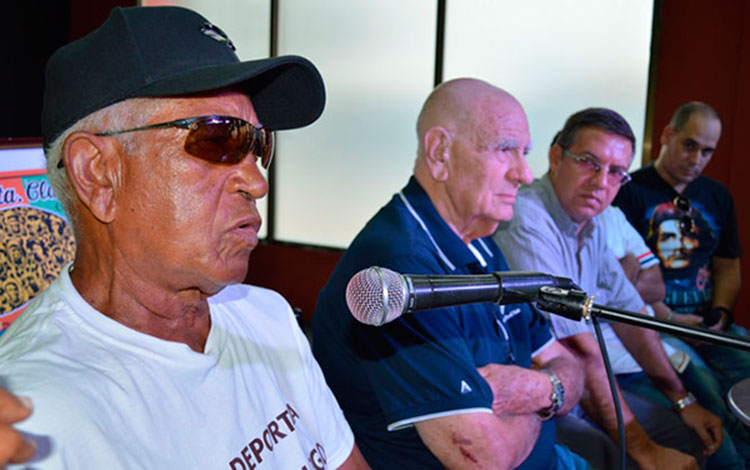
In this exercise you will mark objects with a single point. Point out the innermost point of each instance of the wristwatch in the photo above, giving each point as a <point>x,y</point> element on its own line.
<point>684,402</point>
<point>557,398</point>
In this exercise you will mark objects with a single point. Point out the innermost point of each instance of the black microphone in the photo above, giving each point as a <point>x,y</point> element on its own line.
<point>378,295</point>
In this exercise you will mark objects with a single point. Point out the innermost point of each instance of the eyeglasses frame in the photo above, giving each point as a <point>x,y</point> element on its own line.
<point>596,166</point>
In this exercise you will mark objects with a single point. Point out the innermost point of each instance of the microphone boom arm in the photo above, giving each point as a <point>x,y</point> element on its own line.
<point>574,304</point>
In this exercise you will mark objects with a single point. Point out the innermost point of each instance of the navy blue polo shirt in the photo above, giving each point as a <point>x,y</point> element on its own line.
<point>422,365</point>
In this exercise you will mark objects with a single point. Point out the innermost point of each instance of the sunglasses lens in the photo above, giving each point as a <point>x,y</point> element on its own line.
<point>264,144</point>
<point>228,140</point>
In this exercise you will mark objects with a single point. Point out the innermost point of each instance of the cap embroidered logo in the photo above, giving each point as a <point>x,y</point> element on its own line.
<point>216,33</point>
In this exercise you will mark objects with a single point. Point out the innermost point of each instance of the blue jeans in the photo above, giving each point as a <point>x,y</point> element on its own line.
<point>729,365</point>
<point>699,382</point>
<point>717,369</point>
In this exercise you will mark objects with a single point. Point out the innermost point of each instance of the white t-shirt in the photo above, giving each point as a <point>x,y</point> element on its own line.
<point>623,238</point>
<point>109,397</point>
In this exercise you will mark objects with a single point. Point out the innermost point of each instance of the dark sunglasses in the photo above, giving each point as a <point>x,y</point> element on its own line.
<point>217,139</point>
<point>686,221</point>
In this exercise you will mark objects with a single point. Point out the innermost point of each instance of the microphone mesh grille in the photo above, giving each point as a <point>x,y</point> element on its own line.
<point>376,295</point>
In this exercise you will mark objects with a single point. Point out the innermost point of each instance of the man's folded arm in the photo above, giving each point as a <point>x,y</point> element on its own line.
<point>727,280</point>
<point>480,440</point>
<point>566,368</point>
<point>505,438</point>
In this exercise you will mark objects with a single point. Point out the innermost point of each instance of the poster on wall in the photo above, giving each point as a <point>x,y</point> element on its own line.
<point>35,237</point>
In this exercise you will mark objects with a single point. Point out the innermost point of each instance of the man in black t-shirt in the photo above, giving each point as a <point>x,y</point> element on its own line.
<point>689,221</point>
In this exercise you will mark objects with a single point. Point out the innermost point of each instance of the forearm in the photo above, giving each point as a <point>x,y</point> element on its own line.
<point>650,285</point>
<point>597,400</point>
<point>727,280</point>
<point>517,390</point>
<point>645,346</point>
<point>661,310</point>
<point>481,440</point>
<point>639,445</point>
<point>568,371</point>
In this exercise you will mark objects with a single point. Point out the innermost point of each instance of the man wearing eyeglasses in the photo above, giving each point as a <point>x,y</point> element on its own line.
<point>555,230</point>
<point>146,352</point>
<point>689,221</point>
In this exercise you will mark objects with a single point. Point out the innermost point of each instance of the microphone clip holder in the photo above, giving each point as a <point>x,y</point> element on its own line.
<point>573,304</point>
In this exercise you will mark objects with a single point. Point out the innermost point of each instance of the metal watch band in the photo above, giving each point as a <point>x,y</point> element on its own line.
<point>684,402</point>
<point>557,398</point>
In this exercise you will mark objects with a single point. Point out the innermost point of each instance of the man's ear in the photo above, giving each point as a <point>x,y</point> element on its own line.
<point>555,159</point>
<point>666,134</point>
<point>93,166</point>
<point>437,144</point>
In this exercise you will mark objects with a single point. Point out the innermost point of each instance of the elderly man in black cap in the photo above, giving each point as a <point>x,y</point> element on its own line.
<point>145,352</point>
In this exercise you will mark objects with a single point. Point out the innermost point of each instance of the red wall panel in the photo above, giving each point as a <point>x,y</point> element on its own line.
<point>297,272</point>
<point>704,54</point>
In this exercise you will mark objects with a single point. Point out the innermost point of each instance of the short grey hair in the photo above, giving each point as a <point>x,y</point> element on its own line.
<point>118,116</point>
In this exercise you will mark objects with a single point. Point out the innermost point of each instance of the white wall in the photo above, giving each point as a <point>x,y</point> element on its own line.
<point>377,58</point>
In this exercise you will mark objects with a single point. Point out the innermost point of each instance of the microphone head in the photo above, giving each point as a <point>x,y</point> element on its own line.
<point>376,295</point>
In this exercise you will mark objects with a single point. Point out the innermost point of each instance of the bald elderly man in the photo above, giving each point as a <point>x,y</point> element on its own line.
<point>471,386</point>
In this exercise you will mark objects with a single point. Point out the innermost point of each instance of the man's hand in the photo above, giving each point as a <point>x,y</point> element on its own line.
<point>13,447</point>
<point>666,458</point>
<point>684,318</point>
<point>687,319</point>
<point>706,424</point>
<point>690,320</point>
<point>517,390</point>
<point>661,310</point>
<point>650,455</point>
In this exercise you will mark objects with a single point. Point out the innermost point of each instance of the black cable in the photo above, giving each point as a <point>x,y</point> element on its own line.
<point>613,389</point>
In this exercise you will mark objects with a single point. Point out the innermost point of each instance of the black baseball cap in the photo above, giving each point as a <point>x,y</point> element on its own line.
<point>170,51</point>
